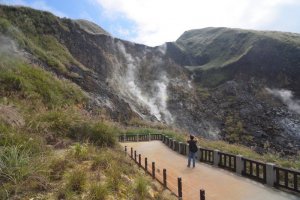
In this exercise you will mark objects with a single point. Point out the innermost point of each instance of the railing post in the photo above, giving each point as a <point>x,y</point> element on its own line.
<point>199,153</point>
<point>179,188</point>
<point>149,137</point>
<point>137,137</point>
<point>146,164</point>
<point>239,164</point>
<point>179,147</point>
<point>131,152</point>
<point>125,150</point>
<point>174,145</point>
<point>270,174</point>
<point>140,160</point>
<point>165,177</point>
<point>216,157</point>
<point>187,150</point>
<point>135,155</point>
<point>153,169</point>
<point>202,194</point>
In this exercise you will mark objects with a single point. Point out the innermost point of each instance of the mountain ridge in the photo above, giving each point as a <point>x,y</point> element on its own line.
<point>128,80</point>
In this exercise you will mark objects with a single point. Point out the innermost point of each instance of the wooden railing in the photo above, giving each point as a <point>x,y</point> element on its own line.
<point>155,136</point>
<point>227,161</point>
<point>287,178</point>
<point>254,169</point>
<point>139,137</point>
<point>206,155</point>
<point>143,137</point>
<point>154,170</point>
<point>278,177</point>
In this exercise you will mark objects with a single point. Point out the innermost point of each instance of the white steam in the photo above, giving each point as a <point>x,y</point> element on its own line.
<point>153,100</point>
<point>286,96</point>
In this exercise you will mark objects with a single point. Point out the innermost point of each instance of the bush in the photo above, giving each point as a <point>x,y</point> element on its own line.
<point>57,168</point>
<point>98,192</point>
<point>76,181</point>
<point>101,161</point>
<point>79,151</point>
<point>141,187</point>
<point>99,133</point>
<point>114,177</point>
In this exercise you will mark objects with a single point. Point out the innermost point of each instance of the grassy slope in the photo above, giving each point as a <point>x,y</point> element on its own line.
<point>224,46</point>
<point>40,158</point>
<point>38,33</point>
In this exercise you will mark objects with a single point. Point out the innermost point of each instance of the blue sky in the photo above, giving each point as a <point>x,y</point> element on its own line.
<point>80,9</point>
<point>153,22</point>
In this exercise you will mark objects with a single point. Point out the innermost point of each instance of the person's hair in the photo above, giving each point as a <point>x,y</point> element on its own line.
<point>191,137</point>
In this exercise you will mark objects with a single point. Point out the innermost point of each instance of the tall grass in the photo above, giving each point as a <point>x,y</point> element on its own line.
<point>76,181</point>
<point>14,164</point>
<point>98,192</point>
<point>141,187</point>
<point>79,151</point>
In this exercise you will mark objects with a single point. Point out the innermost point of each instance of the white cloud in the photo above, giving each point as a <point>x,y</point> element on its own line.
<point>159,21</point>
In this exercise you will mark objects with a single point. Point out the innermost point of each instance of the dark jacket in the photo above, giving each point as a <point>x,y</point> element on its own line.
<point>193,145</point>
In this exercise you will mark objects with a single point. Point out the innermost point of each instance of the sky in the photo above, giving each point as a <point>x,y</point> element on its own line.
<point>153,22</point>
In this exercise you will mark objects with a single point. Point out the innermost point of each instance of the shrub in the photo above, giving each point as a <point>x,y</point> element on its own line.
<point>103,134</point>
<point>98,192</point>
<point>79,151</point>
<point>99,133</point>
<point>114,177</point>
<point>141,187</point>
<point>76,181</point>
<point>57,168</point>
<point>101,161</point>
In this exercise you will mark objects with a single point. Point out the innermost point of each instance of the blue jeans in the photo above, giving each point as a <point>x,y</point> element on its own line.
<point>191,156</point>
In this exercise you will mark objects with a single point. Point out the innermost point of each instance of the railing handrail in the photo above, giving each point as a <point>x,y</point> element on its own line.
<point>287,169</point>
<point>255,161</point>
<point>229,154</point>
<point>205,149</point>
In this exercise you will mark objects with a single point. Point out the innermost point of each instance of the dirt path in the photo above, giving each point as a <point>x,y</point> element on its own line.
<point>218,184</point>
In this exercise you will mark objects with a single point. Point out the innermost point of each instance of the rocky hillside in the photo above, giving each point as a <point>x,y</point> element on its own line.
<point>216,82</point>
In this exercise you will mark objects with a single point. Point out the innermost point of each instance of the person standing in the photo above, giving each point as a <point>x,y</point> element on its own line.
<point>192,150</point>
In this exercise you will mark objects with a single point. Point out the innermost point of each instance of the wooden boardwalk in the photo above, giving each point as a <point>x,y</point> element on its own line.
<point>218,184</point>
